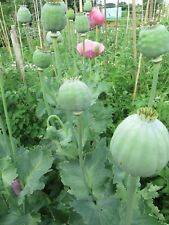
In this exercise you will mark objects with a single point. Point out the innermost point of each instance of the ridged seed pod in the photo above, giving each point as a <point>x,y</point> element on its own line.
<point>140,144</point>
<point>53,17</point>
<point>82,24</point>
<point>153,41</point>
<point>24,15</point>
<point>42,58</point>
<point>74,96</point>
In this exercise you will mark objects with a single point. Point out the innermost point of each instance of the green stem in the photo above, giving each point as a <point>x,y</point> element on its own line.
<point>131,192</point>
<point>156,69</point>
<point>12,149</point>
<point>83,37</point>
<point>43,91</point>
<point>72,39</point>
<point>80,152</point>
<point>57,56</point>
<point>97,33</point>
<point>28,37</point>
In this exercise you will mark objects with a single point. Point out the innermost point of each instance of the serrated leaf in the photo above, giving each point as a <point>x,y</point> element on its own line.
<point>32,165</point>
<point>94,163</point>
<point>7,171</point>
<point>146,220</point>
<point>71,176</point>
<point>103,212</point>
<point>16,218</point>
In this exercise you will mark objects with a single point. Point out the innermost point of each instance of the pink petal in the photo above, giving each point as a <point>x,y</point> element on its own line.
<point>92,49</point>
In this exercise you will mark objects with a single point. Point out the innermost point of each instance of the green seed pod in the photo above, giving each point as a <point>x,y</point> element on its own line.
<point>70,14</point>
<point>51,132</point>
<point>82,24</point>
<point>87,6</point>
<point>154,41</point>
<point>24,15</point>
<point>62,3</point>
<point>49,39</point>
<point>140,144</point>
<point>74,96</point>
<point>53,17</point>
<point>42,58</point>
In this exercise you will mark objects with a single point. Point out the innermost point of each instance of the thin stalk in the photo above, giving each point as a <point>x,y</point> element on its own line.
<point>28,38</point>
<point>134,30</point>
<point>12,149</point>
<point>40,71</point>
<point>38,21</point>
<point>156,69</point>
<point>72,39</point>
<point>57,57</point>
<point>116,30</point>
<point>80,151</point>
<point>137,76</point>
<point>6,31</point>
<point>131,192</point>
<point>97,33</point>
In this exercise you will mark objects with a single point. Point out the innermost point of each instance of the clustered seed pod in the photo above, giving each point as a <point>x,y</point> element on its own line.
<point>53,17</point>
<point>87,6</point>
<point>82,23</point>
<point>140,144</point>
<point>74,96</point>
<point>70,14</point>
<point>24,15</point>
<point>42,58</point>
<point>153,41</point>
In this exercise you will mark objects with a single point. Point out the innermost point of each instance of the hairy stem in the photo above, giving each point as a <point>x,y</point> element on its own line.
<point>131,191</point>
<point>43,91</point>
<point>80,152</point>
<point>156,69</point>
<point>57,57</point>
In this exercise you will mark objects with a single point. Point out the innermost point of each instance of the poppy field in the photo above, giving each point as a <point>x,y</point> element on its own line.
<point>84,113</point>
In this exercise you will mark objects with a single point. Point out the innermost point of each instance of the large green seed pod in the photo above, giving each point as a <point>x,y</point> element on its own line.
<point>42,58</point>
<point>82,24</point>
<point>87,6</point>
<point>154,41</point>
<point>24,15</point>
<point>53,17</point>
<point>70,14</point>
<point>63,5</point>
<point>140,144</point>
<point>74,96</point>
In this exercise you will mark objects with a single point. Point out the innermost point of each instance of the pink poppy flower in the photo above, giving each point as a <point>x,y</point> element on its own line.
<point>92,48</point>
<point>96,17</point>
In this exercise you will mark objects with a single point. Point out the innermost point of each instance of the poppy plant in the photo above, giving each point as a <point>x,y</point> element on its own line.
<point>91,49</point>
<point>96,18</point>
